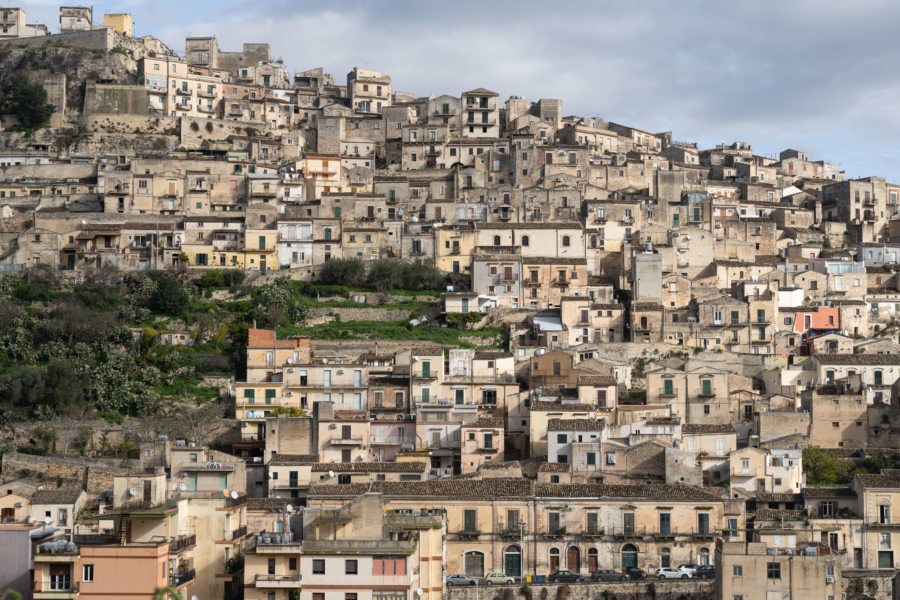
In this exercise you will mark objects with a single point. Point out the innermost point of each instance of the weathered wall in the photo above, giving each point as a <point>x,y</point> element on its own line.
<point>115,99</point>
<point>658,590</point>
<point>94,475</point>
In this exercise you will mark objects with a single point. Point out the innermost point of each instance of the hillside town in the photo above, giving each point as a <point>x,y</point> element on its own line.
<point>649,369</point>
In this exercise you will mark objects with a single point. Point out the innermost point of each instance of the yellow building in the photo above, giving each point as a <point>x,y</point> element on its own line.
<point>121,22</point>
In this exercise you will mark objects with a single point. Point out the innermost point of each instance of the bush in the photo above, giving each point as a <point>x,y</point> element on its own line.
<point>169,296</point>
<point>343,271</point>
<point>27,102</point>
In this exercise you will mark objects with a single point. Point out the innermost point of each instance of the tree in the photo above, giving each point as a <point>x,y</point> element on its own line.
<point>169,296</point>
<point>824,468</point>
<point>343,271</point>
<point>167,593</point>
<point>27,102</point>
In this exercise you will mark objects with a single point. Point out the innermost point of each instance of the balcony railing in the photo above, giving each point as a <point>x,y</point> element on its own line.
<point>182,543</point>
<point>239,532</point>
<point>351,441</point>
<point>277,581</point>
<point>182,577</point>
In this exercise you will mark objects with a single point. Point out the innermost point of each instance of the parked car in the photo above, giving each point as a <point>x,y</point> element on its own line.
<point>567,576</point>
<point>670,573</point>
<point>460,580</point>
<point>608,575</point>
<point>498,578</point>
<point>705,572</point>
<point>635,573</point>
<point>689,569</point>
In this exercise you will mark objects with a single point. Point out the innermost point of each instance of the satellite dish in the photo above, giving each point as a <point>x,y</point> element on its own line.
<point>183,487</point>
<point>132,492</point>
<point>289,508</point>
<point>195,597</point>
<point>48,520</point>
<point>419,592</point>
<point>174,487</point>
<point>331,473</point>
<point>234,495</point>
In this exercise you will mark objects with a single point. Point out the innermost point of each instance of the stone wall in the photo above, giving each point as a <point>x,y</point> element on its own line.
<point>115,99</point>
<point>658,590</point>
<point>362,314</point>
<point>859,584</point>
<point>94,475</point>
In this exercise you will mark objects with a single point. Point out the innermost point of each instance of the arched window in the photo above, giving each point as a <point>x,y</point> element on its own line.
<point>513,561</point>
<point>704,556</point>
<point>525,240</point>
<point>496,240</point>
<point>565,240</point>
<point>593,562</point>
<point>629,556</point>
<point>554,560</point>
<point>665,558</point>
<point>573,559</point>
<point>474,563</point>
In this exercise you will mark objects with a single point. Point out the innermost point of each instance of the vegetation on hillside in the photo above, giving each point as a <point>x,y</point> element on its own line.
<point>27,102</point>
<point>827,468</point>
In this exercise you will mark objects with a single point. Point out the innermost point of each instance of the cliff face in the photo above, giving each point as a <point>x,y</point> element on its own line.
<point>76,64</point>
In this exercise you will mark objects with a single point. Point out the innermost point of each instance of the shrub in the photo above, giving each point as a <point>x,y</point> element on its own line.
<point>343,271</point>
<point>27,102</point>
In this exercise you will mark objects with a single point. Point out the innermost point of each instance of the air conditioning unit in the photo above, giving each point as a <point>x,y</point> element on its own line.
<point>332,426</point>
<point>829,580</point>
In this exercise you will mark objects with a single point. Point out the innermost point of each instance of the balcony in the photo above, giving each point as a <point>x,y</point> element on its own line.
<point>209,466</point>
<point>561,282</point>
<point>766,339</point>
<point>351,441</point>
<point>182,578</point>
<point>235,112</point>
<point>206,109</point>
<point>207,94</point>
<point>532,283</point>
<point>187,106</point>
<point>665,394</point>
<point>181,92</point>
<point>887,526</point>
<point>454,250</point>
<point>238,533</point>
<point>870,202</point>
<point>277,581</point>
<point>60,589</point>
<point>707,394</point>
<point>469,534</point>
<point>389,440</point>
<point>507,280</point>
<point>181,543</point>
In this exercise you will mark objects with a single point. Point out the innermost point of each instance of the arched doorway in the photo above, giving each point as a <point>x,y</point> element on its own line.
<point>573,559</point>
<point>554,560</point>
<point>593,562</point>
<point>629,556</point>
<point>665,558</point>
<point>474,563</point>
<point>704,556</point>
<point>512,562</point>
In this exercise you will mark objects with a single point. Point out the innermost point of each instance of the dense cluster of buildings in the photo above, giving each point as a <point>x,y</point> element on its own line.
<point>681,323</point>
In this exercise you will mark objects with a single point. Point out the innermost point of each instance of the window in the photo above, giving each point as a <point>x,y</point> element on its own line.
<point>702,523</point>
<point>665,523</point>
<point>773,570</point>
<point>318,566</point>
<point>87,573</point>
<point>553,522</point>
<point>884,513</point>
<point>561,438</point>
<point>610,458</point>
<point>525,240</point>
<point>469,518</point>
<point>351,567</point>
<point>565,241</point>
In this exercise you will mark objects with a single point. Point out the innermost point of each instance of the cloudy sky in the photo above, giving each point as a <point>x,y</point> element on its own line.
<point>816,75</point>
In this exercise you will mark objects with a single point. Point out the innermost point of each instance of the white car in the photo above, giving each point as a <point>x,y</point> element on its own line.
<point>690,569</point>
<point>670,573</point>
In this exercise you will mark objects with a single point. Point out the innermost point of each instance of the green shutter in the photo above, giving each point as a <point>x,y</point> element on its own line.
<point>470,522</point>
<point>262,242</point>
<point>707,387</point>
<point>668,387</point>
<point>250,394</point>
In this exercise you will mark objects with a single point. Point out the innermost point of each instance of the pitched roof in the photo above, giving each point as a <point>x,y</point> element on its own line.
<point>554,468</point>
<point>575,425</point>
<point>649,491</point>
<point>266,503</point>
<point>448,488</point>
<point>875,481</point>
<point>294,459</point>
<point>372,467</point>
<point>61,496</point>
<point>828,492</point>
<point>546,406</point>
<point>706,428</point>
<point>858,359</point>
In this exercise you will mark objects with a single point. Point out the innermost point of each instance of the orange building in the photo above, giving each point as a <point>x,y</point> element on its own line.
<point>822,318</point>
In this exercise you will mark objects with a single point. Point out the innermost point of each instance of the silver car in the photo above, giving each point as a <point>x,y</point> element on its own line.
<point>460,580</point>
